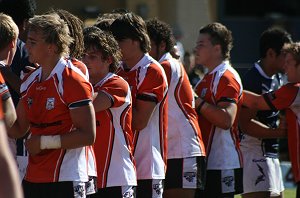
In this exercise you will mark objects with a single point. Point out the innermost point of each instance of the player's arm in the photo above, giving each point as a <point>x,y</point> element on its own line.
<point>102,101</point>
<point>221,115</point>
<point>141,114</point>
<point>21,125</point>
<point>257,129</point>
<point>83,119</point>
<point>84,133</point>
<point>9,111</point>
<point>254,101</point>
<point>9,177</point>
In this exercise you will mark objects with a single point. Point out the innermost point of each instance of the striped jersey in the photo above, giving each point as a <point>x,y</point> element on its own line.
<point>223,84</point>
<point>113,145</point>
<point>147,81</point>
<point>47,104</point>
<point>184,135</point>
<point>288,98</point>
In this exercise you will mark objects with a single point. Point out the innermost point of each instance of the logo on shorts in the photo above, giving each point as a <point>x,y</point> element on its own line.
<point>228,181</point>
<point>158,188</point>
<point>50,103</point>
<point>189,176</point>
<point>128,194</point>
<point>261,177</point>
<point>79,191</point>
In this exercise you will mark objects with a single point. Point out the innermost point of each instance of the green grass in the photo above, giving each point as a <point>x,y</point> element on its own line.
<point>288,193</point>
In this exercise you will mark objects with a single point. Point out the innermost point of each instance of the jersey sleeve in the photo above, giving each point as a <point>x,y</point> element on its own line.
<point>228,90</point>
<point>77,90</point>
<point>282,98</point>
<point>153,86</point>
<point>4,93</point>
<point>116,89</point>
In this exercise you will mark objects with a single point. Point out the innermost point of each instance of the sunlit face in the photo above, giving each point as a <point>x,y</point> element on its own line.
<point>97,66</point>
<point>204,50</point>
<point>291,68</point>
<point>37,47</point>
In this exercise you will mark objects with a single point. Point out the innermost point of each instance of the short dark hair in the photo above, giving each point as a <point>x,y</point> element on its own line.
<point>104,42</point>
<point>104,21</point>
<point>273,38</point>
<point>219,35</point>
<point>19,10</point>
<point>131,26</point>
<point>160,31</point>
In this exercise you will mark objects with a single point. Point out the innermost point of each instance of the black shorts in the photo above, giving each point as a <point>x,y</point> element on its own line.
<point>150,188</point>
<point>223,183</point>
<point>188,173</point>
<point>45,190</point>
<point>115,192</point>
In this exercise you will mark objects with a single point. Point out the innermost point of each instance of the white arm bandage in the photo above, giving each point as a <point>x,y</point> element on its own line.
<point>50,142</point>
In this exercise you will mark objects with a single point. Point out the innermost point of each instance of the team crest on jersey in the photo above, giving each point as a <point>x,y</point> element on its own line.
<point>29,102</point>
<point>203,92</point>
<point>50,103</point>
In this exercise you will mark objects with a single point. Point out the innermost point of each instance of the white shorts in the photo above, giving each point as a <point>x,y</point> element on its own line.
<point>261,173</point>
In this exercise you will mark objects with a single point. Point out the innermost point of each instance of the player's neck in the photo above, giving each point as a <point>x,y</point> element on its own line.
<point>47,67</point>
<point>130,63</point>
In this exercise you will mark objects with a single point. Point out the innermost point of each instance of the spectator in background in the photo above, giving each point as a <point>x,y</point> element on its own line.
<point>9,182</point>
<point>258,144</point>
<point>149,88</point>
<point>186,153</point>
<point>218,106</point>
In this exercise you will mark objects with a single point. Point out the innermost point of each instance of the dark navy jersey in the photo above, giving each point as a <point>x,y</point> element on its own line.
<point>257,81</point>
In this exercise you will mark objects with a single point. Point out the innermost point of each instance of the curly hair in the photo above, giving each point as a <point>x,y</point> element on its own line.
<point>54,31</point>
<point>103,41</point>
<point>294,50</point>
<point>219,35</point>
<point>75,26</point>
<point>131,26</point>
<point>160,31</point>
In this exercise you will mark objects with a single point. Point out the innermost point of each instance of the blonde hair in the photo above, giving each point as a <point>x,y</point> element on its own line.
<point>8,30</point>
<point>54,31</point>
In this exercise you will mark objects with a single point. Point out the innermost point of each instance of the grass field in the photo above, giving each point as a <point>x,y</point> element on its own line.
<point>288,193</point>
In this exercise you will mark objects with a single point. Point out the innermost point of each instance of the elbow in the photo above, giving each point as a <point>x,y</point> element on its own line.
<point>226,125</point>
<point>90,140</point>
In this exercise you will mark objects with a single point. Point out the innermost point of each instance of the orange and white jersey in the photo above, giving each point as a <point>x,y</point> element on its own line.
<point>223,84</point>
<point>81,66</point>
<point>184,135</point>
<point>148,82</point>
<point>47,104</point>
<point>288,98</point>
<point>113,145</point>
<point>4,92</point>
